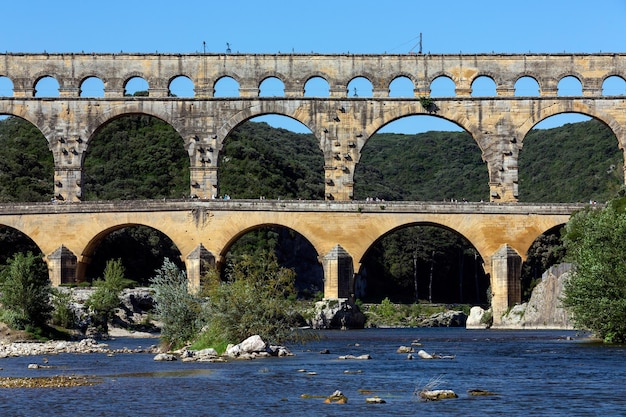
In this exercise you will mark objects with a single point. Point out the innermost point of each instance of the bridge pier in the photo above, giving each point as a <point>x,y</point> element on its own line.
<point>506,287</point>
<point>197,263</point>
<point>62,266</point>
<point>338,273</point>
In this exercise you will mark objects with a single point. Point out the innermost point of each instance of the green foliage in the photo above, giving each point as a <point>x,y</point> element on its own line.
<point>25,292</point>
<point>63,315</point>
<point>26,163</point>
<point>255,300</point>
<point>136,157</point>
<point>596,293</point>
<point>258,160</point>
<point>178,310</point>
<point>577,162</point>
<point>105,298</point>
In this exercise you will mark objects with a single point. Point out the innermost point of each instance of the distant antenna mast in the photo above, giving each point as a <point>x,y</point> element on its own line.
<point>228,48</point>
<point>420,45</point>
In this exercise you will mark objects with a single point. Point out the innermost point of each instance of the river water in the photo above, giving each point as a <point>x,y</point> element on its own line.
<point>532,373</point>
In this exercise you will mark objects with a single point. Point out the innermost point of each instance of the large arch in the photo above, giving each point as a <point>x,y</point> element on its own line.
<point>153,163</point>
<point>423,261</point>
<point>287,245</point>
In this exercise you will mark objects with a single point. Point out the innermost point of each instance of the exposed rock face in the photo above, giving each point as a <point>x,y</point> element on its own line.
<point>446,319</point>
<point>477,319</point>
<point>543,310</point>
<point>337,313</point>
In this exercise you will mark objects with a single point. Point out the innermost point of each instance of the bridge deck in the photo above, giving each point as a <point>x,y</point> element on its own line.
<point>291,206</point>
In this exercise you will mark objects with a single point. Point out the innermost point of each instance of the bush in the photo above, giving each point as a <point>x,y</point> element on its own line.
<point>63,315</point>
<point>25,291</point>
<point>256,299</point>
<point>177,309</point>
<point>596,293</point>
<point>106,298</point>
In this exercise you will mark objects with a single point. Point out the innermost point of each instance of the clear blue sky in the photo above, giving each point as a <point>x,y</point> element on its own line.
<point>321,26</point>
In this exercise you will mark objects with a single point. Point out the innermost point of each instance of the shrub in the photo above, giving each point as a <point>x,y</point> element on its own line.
<point>25,292</point>
<point>63,315</point>
<point>177,309</point>
<point>105,299</point>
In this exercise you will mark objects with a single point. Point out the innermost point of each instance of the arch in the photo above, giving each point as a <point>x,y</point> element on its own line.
<point>136,85</point>
<point>545,251</point>
<point>360,87</point>
<point>483,86</point>
<point>546,176</point>
<point>14,240</point>
<point>429,247</point>
<point>6,87</point>
<point>527,86</point>
<point>401,86</point>
<point>569,86</point>
<point>91,263</point>
<point>181,86</point>
<point>226,86</point>
<point>149,165</point>
<point>272,87</point>
<point>256,161</point>
<point>614,86</point>
<point>281,239</point>
<point>92,87</point>
<point>316,86</point>
<point>420,157</point>
<point>26,162</point>
<point>442,86</point>
<point>46,86</point>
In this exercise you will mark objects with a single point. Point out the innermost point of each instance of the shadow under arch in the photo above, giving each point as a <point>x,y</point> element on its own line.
<point>141,248</point>
<point>261,161</point>
<point>420,262</point>
<point>574,162</point>
<point>435,165</point>
<point>545,251</point>
<point>135,156</point>
<point>292,250</point>
<point>13,241</point>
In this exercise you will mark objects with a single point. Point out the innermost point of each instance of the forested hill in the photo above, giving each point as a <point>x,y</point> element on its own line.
<point>141,157</point>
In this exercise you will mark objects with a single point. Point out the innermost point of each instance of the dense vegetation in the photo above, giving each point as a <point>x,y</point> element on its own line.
<point>596,293</point>
<point>142,157</point>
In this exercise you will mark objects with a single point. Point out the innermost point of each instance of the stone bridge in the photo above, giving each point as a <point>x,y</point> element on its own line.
<point>340,232</point>
<point>341,122</point>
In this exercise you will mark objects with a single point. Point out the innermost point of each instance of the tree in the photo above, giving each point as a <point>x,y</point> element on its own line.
<point>257,299</point>
<point>25,288</point>
<point>178,310</point>
<point>105,299</point>
<point>596,292</point>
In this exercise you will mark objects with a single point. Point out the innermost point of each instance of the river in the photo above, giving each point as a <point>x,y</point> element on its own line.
<point>532,373</point>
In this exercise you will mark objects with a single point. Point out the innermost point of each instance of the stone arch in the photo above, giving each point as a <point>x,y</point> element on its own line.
<point>611,79</point>
<point>354,92</point>
<point>480,292</point>
<point>181,78</point>
<point>527,78</point>
<point>259,227</point>
<point>40,79</point>
<point>225,79</point>
<point>403,79</point>
<point>86,80</point>
<point>6,86</point>
<point>279,108</point>
<point>85,253</point>
<point>317,76</point>
<point>490,86</point>
<point>134,75</point>
<point>569,76</point>
<point>269,80</point>
<point>443,78</point>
